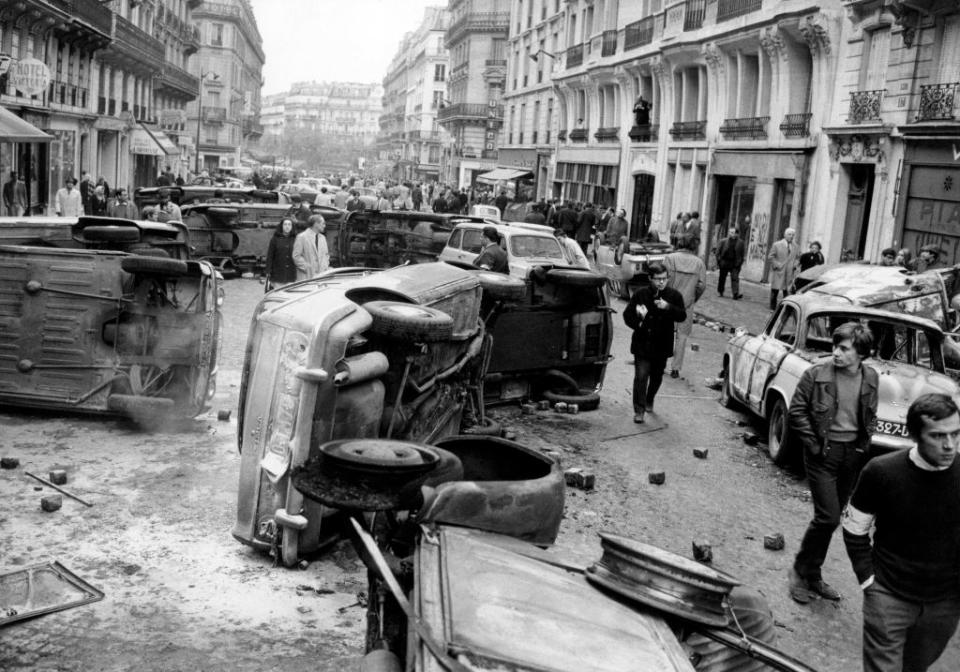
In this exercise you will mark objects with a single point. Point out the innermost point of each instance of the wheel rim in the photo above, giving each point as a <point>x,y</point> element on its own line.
<point>775,435</point>
<point>146,380</point>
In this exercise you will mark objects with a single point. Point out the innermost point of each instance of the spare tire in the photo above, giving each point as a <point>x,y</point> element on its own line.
<point>139,408</point>
<point>154,266</point>
<point>586,400</point>
<point>569,384</point>
<point>111,234</point>
<point>501,286</point>
<point>409,321</point>
<point>578,277</point>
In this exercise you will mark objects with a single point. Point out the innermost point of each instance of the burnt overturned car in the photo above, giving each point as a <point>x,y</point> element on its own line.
<point>106,316</point>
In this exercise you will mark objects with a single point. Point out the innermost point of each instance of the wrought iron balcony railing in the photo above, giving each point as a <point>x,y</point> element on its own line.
<point>214,115</point>
<point>609,47</point>
<point>689,130</point>
<point>578,135</point>
<point>865,106</point>
<point>731,9</point>
<point>693,12</point>
<point>469,111</point>
<point>796,125</point>
<point>937,101</point>
<point>746,127</point>
<point>575,56</point>
<point>638,33</point>
<point>176,79</point>
<point>607,133</point>
<point>644,133</point>
<point>477,22</point>
<point>64,93</point>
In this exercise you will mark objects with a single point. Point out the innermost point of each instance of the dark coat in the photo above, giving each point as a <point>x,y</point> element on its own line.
<point>653,335</point>
<point>280,266</point>
<point>567,220</point>
<point>494,258</point>
<point>728,258</point>
<point>588,221</point>
<point>814,406</point>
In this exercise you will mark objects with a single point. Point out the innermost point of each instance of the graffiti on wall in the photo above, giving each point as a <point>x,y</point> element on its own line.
<point>759,235</point>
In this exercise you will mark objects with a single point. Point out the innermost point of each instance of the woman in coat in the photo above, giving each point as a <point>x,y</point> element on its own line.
<point>280,269</point>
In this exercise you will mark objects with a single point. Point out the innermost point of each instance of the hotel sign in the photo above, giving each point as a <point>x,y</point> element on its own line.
<point>30,76</point>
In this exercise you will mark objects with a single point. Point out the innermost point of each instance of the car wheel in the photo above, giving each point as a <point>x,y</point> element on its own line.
<point>571,385</point>
<point>777,438</point>
<point>586,400</point>
<point>112,234</point>
<point>576,277</point>
<point>487,427</point>
<point>726,396</point>
<point>502,287</point>
<point>141,409</point>
<point>154,266</point>
<point>409,321</point>
<point>754,618</point>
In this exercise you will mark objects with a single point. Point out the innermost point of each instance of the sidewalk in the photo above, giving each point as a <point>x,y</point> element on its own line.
<point>750,312</point>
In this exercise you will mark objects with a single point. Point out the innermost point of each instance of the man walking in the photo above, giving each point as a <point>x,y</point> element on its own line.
<point>783,260</point>
<point>502,201</point>
<point>833,414</point>
<point>688,275</point>
<point>586,227</point>
<point>616,229</point>
<point>67,202</point>
<point>729,260</point>
<point>692,230</point>
<point>567,219</point>
<point>909,573</point>
<point>15,195</point>
<point>651,313</point>
<point>677,228</point>
<point>310,254</point>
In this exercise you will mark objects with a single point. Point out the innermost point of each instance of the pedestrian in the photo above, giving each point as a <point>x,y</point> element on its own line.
<point>929,258</point>
<point>833,414</point>
<point>905,258</point>
<point>416,197</point>
<point>492,257</point>
<point>616,230</point>
<point>572,252</point>
<point>677,227</point>
<point>783,259</point>
<point>167,210</point>
<point>536,216</point>
<point>98,203</point>
<point>688,276</point>
<point>279,269</point>
<point>651,313</point>
<point>67,202</point>
<point>354,202</point>
<point>150,213</point>
<point>729,256</point>
<point>888,257</point>
<point>812,257</point>
<point>86,189</point>
<point>323,198</point>
<point>383,203</point>
<point>15,195</point>
<point>692,230</point>
<point>310,254</point>
<point>102,182</point>
<point>567,219</point>
<point>180,181</point>
<point>909,573</point>
<point>502,201</point>
<point>122,207</point>
<point>586,227</point>
<point>163,179</point>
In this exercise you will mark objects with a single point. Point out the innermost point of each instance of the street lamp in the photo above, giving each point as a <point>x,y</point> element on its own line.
<point>542,51</point>
<point>203,76</point>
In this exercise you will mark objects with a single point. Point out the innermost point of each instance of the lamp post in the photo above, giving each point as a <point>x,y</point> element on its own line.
<point>203,76</point>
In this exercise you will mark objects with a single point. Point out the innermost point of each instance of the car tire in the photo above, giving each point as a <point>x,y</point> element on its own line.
<point>154,266</point>
<point>140,408</point>
<point>726,396</point>
<point>576,277</point>
<point>409,321</point>
<point>754,617</point>
<point>571,385</point>
<point>501,286</point>
<point>111,234</point>
<point>778,444</point>
<point>148,251</point>
<point>586,400</point>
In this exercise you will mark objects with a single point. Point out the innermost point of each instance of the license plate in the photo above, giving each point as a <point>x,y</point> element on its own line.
<point>892,428</point>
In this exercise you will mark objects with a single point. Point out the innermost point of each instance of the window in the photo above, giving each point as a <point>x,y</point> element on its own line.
<point>785,327</point>
<point>876,55</point>
<point>455,239</point>
<point>472,240</point>
<point>216,34</point>
<point>439,72</point>
<point>437,99</point>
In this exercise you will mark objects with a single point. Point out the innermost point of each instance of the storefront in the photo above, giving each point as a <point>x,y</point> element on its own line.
<point>588,175</point>
<point>23,149</point>
<point>150,148</point>
<point>929,213</point>
<point>520,171</point>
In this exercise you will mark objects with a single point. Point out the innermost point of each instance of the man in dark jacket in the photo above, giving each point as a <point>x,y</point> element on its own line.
<point>567,219</point>
<point>729,260</point>
<point>833,414</point>
<point>492,257</point>
<point>586,227</point>
<point>652,312</point>
<point>502,201</point>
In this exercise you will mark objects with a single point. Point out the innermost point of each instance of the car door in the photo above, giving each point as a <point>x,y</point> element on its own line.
<point>471,246</point>
<point>779,340</point>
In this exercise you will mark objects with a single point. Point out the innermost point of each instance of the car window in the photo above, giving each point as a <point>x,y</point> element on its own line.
<point>455,238</point>
<point>785,329</point>
<point>472,240</point>
<point>535,246</point>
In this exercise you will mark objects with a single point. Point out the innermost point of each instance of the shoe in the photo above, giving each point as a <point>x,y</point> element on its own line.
<point>737,297</point>
<point>824,590</point>
<point>800,590</point>
<point>674,373</point>
<point>720,294</point>
<point>638,418</point>
<point>649,405</point>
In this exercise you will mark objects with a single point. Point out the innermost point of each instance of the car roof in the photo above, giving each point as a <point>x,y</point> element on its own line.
<point>866,284</point>
<point>510,228</point>
<point>812,304</point>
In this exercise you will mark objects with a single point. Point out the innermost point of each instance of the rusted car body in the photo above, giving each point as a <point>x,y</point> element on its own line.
<point>387,238</point>
<point>625,265</point>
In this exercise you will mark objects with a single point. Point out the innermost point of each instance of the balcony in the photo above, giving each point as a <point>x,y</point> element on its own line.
<point>575,56</point>
<point>731,9</point>
<point>469,112</point>
<point>495,63</point>
<point>607,134</point>
<point>251,127</point>
<point>64,93</point>
<point>191,39</point>
<point>425,136</point>
<point>753,128</point>
<point>578,135</point>
<point>693,11</point>
<point>214,115</point>
<point>458,71</point>
<point>796,125</point>
<point>178,81</point>
<point>609,46</point>
<point>638,33</point>
<point>90,16</point>
<point>477,22</point>
<point>193,4</point>
<point>644,133</point>
<point>937,102</point>
<point>689,130</point>
<point>133,50</point>
<point>865,106</point>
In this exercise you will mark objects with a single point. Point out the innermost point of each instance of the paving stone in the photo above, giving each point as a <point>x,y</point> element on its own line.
<point>51,503</point>
<point>58,476</point>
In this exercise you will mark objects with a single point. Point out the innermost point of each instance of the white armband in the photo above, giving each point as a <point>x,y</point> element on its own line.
<point>856,522</point>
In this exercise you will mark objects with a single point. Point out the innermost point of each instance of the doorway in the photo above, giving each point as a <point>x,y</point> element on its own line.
<point>642,205</point>
<point>857,216</point>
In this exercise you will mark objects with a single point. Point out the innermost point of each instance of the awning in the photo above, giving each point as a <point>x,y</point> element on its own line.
<point>498,174</point>
<point>161,139</point>
<point>15,129</point>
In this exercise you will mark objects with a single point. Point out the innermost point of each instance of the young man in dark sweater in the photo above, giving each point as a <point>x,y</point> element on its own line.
<point>910,573</point>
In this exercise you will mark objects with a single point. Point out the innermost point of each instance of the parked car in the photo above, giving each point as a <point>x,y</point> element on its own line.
<point>625,265</point>
<point>109,233</point>
<point>550,322</point>
<point>761,372</point>
<point>91,328</point>
<point>352,354</point>
<point>187,195</point>
<point>490,212</point>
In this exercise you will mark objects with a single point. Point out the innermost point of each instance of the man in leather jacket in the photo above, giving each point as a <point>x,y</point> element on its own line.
<point>833,414</point>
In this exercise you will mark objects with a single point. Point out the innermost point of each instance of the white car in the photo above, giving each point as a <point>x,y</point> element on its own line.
<point>490,212</point>
<point>526,245</point>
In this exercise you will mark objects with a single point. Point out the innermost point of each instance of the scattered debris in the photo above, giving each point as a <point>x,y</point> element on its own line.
<point>702,551</point>
<point>223,415</point>
<point>9,462</point>
<point>657,477</point>
<point>695,347</point>
<point>51,503</point>
<point>58,488</point>
<point>701,453</point>
<point>553,455</point>
<point>560,407</point>
<point>573,408</point>
<point>528,409</point>
<point>773,542</point>
<point>510,436</point>
<point>578,478</point>
<point>58,476</point>
<point>713,383</point>
<point>751,439</point>
<point>304,610</point>
<point>52,587</point>
<point>543,405</point>
<point>303,564</point>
